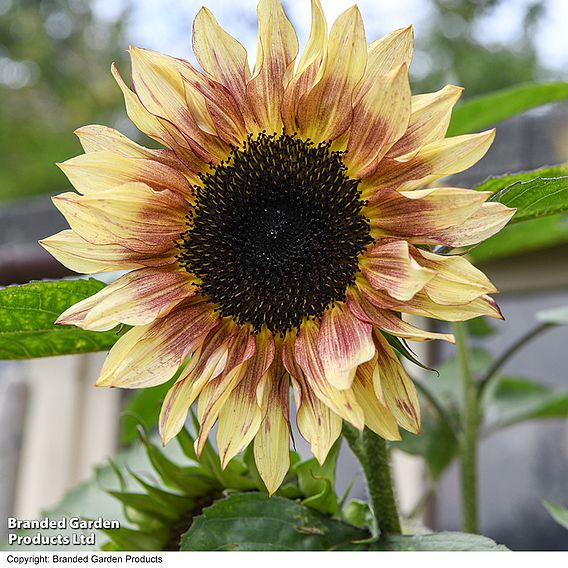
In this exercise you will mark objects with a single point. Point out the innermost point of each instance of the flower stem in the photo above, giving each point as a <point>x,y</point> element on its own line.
<point>373,454</point>
<point>469,434</point>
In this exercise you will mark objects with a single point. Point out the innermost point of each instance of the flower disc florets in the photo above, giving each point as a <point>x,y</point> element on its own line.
<point>276,231</point>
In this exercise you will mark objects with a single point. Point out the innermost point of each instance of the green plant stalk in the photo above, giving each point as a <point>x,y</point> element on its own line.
<point>373,454</point>
<point>468,440</point>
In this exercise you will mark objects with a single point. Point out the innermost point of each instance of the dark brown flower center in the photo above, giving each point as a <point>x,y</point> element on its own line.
<point>276,232</point>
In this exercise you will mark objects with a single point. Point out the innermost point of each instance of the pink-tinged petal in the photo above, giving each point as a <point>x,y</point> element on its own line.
<point>98,138</point>
<point>272,442</point>
<point>398,390</point>
<point>207,363</point>
<point>456,280</point>
<point>378,417</point>
<point>222,107</point>
<point>159,84</point>
<point>317,423</point>
<point>241,415</point>
<point>157,128</point>
<point>429,120</point>
<point>86,258</point>
<point>388,320</point>
<point>137,298</point>
<point>222,58</point>
<point>326,111</point>
<point>421,212</point>
<point>277,50</point>
<point>99,171</point>
<point>379,120</point>
<point>308,68</point>
<point>433,161</point>
<point>132,215</point>
<point>488,220</point>
<point>389,266</point>
<point>149,355</point>
<point>422,305</point>
<point>344,342</point>
<point>342,402</point>
<point>218,390</point>
<point>385,55</point>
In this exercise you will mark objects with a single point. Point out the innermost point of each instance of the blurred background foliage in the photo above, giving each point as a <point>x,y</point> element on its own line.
<point>54,74</point>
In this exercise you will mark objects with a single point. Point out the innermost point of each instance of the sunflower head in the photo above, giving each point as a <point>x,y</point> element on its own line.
<point>281,233</point>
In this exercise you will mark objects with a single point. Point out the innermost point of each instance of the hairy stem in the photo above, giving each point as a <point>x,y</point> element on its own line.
<point>469,434</point>
<point>373,454</point>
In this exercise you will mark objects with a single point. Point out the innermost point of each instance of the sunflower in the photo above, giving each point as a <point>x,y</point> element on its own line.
<point>279,236</point>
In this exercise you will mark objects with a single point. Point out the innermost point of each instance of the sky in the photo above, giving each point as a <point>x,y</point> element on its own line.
<point>165,25</point>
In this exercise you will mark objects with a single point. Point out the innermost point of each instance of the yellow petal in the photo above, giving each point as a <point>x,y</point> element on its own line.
<point>277,50</point>
<point>377,415</point>
<point>137,298</point>
<point>422,305</point>
<point>98,138</point>
<point>151,125</point>
<point>207,363</point>
<point>389,266</point>
<point>317,423</point>
<point>272,442</point>
<point>241,415</point>
<point>379,120</point>
<point>217,391</point>
<point>488,220</point>
<point>308,69</point>
<point>420,212</point>
<point>456,280</point>
<point>342,402</point>
<point>326,111</point>
<point>220,55</point>
<point>98,171</point>
<point>344,342</point>
<point>86,258</point>
<point>149,355</point>
<point>131,215</point>
<point>429,120</point>
<point>159,84</point>
<point>398,390</point>
<point>385,55</point>
<point>433,161</point>
<point>359,303</point>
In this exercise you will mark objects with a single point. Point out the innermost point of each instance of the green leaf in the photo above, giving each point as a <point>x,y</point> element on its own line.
<point>442,541</point>
<point>512,400</point>
<point>317,481</point>
<point>521,238</point>
<point>554,316</point>
<point>142,409</point>
<point>486,110</point>
<point>497,183</point>
<point>538,197</point>
<point>400,346</point>
<point>254,521</point>
<point>28,313</point>
<point>192,480</point>
<point>358,513</point>
<point>558,513</point>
